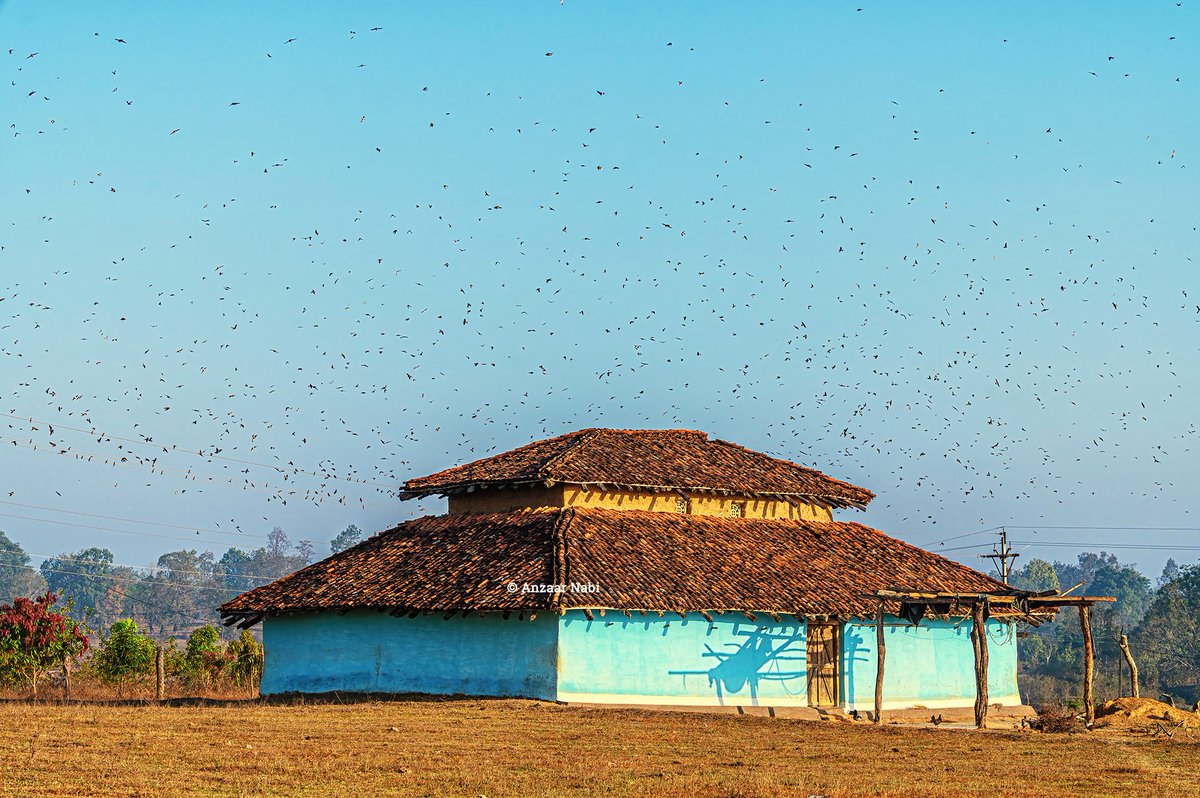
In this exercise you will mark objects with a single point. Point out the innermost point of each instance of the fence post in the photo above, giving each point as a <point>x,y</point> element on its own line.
<point>67,677</point>
<point>159,663</point>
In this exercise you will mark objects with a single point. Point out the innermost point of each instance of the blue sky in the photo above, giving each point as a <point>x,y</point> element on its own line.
<point>945,252</point>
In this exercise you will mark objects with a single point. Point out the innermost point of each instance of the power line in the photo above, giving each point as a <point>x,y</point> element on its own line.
<point>115,578</point>
<point>1063,527</point>
<point>118,518</point>
<point>1071,544</point>
<point>958,537</point>
<point>119,531</point>
<point>1113,528</point>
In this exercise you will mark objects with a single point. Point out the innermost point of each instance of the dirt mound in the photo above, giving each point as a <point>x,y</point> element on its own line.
<point>1140,712</point>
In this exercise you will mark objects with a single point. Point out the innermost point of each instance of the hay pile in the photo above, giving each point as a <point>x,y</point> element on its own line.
<point>1134,713</point>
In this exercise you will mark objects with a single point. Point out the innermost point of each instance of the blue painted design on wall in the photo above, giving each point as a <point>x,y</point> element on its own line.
<point>930,664</point>
<point>367,651</point>
<point>731,661</point>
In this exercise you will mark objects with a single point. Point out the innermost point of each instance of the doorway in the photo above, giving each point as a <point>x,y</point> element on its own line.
<point>824,648</point>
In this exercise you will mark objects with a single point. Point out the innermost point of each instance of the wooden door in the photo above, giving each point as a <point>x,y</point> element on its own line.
<point>824,646</point>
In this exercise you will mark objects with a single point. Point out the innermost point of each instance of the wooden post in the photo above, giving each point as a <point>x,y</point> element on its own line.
<point>979,644</point>
<point>1089,663</point>
<point>67,678</point>
<point>1133,671</point>
<point>880,648</point>
<point>159,668</point>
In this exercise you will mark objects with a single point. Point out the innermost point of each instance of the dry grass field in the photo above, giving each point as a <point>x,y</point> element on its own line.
<point>524,748</point>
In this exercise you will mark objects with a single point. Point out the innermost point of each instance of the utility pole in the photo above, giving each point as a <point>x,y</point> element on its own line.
<point>1002,555</point>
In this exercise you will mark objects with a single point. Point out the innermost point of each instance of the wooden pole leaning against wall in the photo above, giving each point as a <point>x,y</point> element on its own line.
<point>979,644</point>
<point>1089,663</point>
<point>1133,671</point>
<point>880,648</point>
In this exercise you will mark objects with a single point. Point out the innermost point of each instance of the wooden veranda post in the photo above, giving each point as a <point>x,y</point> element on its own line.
<point>880,647</point>
<point>1089,663</point>
<point>979,643</point>
<point>159,663</point>
<point>1133,671</point>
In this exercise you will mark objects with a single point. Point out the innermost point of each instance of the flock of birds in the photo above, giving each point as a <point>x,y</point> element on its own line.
<point>311,333</point>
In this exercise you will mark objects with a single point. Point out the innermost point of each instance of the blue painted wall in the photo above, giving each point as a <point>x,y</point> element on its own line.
<point>367,651</point>
<point>612,659</point>
<point>930,665</point>
<point>732,661</point>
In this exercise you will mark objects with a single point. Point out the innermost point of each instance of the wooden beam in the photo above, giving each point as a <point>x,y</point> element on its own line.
<point>880,649</point>
<point>911,595</point>
<point>1068,601</point>
<point>1089,663</point>
<point>1133,671</point>
<point>979,644</point>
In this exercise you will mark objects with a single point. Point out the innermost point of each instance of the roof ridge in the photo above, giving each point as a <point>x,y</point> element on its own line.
<point>560,565</point>
<point>585,435</point>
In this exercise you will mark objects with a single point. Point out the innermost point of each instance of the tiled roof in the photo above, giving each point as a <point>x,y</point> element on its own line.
<point>656,460</point>
<point>640,561</point>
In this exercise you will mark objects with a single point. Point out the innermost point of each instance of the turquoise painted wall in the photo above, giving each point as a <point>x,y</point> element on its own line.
<point>930,665</point>
<point>367,651</point>
<point>612,659</point>
<point>732,661</point>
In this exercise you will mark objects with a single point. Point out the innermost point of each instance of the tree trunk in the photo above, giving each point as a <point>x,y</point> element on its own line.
<point>1089,663</point>
<point>67,678</point>
<point>880,649</point>
<point>1133,671</point>
<point>979,644</point>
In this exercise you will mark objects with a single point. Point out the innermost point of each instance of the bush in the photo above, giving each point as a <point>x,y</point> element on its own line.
<point>125,657</point>
<point>247,660</point>
<point>36,636</point>
<point>205,659</point>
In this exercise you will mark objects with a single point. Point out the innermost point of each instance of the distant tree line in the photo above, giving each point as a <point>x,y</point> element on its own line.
<point>1161,619</point>
<point>179,595</point>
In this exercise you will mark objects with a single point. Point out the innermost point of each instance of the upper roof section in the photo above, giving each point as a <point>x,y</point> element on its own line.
<point>684,461</point>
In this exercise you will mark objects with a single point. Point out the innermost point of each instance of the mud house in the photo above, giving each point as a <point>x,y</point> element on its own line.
<point>633,567</point>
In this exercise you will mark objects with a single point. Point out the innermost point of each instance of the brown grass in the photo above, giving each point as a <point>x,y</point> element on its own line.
<point>525,748</point>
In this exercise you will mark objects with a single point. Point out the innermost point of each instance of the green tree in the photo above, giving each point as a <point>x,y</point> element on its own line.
<point>125,657</point>
<point>234,572</point>
<point>36,636</point>
<point>350,536</point>
<point>16,577</point>
<point>84,577</point>
<point>1131,590</point>
<point>182,591</point>
<point>275,560</point>
<point>1037,575</point>
<point>1168,642</point>
<point>1170,572</point>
